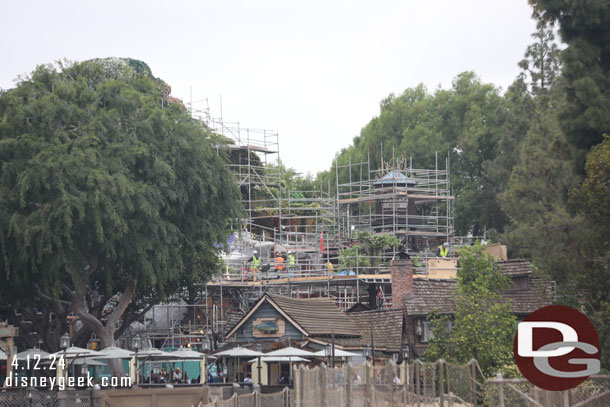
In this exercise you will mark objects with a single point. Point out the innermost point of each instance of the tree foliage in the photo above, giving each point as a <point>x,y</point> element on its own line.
<point>108,193</point>
<point>541,63</point>
<point>542,226</point>
<point>366,252</point>
<point>471,122</point>
<point>483,327</point>
<point>585,28</point>
<point>592,200</point>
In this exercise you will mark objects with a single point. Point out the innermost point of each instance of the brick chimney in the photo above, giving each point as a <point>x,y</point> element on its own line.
<point>402,281</point>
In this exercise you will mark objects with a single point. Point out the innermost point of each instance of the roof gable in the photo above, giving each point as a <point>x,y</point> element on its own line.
<point>265,298</point>
<point>311,316</point>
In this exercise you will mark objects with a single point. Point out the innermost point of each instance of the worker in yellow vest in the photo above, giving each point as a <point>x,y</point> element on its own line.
<point>291,264</point>
<point>255,264</point>
<point>443,250</point>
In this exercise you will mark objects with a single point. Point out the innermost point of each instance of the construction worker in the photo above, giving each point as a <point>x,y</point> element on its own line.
<point>291,263</point>
<point>279,262</point>
<point>443,250</point>
<point>255,264</point>
<point>329,267</point>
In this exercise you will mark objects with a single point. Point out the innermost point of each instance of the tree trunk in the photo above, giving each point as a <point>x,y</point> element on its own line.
<point>104,332</point>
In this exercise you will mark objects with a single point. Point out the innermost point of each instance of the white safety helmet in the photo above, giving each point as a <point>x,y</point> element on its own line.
<point>255,252</point>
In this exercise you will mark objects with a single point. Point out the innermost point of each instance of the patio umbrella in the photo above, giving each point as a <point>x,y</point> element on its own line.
<point>269,359</point>
<point>339,353</point>
<point>114,352</point>
<point>183,354</point>
<point>239,352</point>
<point>88,362</point>
<point>32,353</point>
<point>152,353</point>
<point>291,353</point>
<point>74,352</point>
<point>187,354</point>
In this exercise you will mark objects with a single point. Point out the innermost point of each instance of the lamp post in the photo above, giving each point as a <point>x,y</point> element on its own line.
<point>64,343</point>
<point>329,353</point>
<point>205,344</point>
<point>136,344</point>
<point>405,353</point>
<point>85,369</point>
<point>366,351</point>
<point>372,347</point>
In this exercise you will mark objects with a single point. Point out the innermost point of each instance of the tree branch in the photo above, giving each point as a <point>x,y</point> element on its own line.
<point>120,308</point>
<point>49,298</point>
<point>131,318</point>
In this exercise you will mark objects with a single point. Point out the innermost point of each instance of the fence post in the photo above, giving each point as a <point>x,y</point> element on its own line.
<point>296,380</point>
<point>417,382</point>
<point>322,383</point>
<point>470,383</point>
<point>286,397</point>
<point>500,390</point>
<point>392,385</point>
<point>441,382</point>
<point>367,385</point>
<point>301,387</point>
<point>347,374</point>
<point>61,398</point>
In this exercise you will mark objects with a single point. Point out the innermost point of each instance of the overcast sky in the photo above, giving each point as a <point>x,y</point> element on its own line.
<point>314,71</point>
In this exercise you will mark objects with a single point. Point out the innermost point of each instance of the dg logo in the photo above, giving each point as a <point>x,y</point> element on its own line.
<point>556,348</point>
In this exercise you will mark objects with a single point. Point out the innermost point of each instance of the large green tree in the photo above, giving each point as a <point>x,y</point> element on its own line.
<point>542,226</point>
<point>466,121</point>
<point>111,196</point>
<point>482,327</point>
<point>584,26</point>
<point>592,200</point>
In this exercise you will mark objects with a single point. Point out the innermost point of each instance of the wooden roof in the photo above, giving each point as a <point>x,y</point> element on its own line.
<point>440,294</point>
<point>515,267</point>
<point>317,316</point>
<point>314,317</point>
<point>525,301</point>
<point>431,294</point>
<point>387,327</point>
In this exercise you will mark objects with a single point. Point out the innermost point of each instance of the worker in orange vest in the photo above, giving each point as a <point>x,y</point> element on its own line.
<point>279,262</point>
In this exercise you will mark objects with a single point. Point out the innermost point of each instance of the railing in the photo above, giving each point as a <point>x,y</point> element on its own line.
<point>309,268</point>
<point>593,392</point>
<point>437,384</point>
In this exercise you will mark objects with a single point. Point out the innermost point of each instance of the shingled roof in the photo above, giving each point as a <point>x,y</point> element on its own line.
<point>516,267</point>
<point>314,317</point>
<point>387,327</point>
<point>431,294</point>
<point>317,316</point>
<point>537,295</point>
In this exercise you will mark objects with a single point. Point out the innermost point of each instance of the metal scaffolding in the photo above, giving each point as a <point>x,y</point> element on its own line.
<point>415,205</point>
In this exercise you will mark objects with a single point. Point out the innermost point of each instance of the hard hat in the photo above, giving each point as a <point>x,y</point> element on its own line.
<point>289,251</point>
<point>255,252</point>
<point>446,244</point>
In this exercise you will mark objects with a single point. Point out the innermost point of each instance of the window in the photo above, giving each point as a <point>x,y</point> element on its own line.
<point>520,283</point>
<point>428,334</point>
